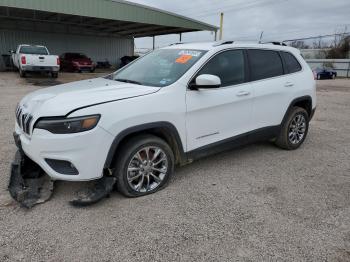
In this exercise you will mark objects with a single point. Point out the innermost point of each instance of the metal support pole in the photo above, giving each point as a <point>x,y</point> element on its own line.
<point>180,37</point>
<point>221,25</point>
<point>216,35</point>
<point>154,42</point>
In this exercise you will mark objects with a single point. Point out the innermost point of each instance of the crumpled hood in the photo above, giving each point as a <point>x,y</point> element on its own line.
<point>62,99</point>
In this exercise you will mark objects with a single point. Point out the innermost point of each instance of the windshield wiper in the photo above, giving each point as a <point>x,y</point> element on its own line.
<point>128,81</point>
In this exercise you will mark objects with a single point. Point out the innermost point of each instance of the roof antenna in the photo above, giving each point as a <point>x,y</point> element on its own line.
<point>261,36</point>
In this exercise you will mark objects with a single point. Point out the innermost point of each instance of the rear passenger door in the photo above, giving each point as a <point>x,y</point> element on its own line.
<point>272,91</point>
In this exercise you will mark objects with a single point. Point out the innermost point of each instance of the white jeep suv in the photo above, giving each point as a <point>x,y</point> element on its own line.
<point>167,108</point>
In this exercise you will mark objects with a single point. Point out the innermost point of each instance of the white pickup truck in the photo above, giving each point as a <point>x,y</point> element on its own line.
<point>35,58</point>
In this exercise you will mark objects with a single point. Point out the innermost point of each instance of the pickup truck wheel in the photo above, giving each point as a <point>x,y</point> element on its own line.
<point>22,73</point>
<point>294,130</point>
<point>54,75</point>
<point>145,165</point>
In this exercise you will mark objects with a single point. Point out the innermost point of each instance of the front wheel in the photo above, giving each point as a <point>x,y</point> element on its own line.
<point>145,165</point>
<point>294,129</point>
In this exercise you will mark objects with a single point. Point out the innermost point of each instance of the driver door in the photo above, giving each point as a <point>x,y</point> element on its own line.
<point>216,114</point>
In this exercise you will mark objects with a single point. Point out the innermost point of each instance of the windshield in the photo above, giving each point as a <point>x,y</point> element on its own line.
<point>159,68</point>
<point>33,50</point>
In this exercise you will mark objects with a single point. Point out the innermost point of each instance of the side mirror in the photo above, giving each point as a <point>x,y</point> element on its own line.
<point>12,52</point>
<point>206,81</point>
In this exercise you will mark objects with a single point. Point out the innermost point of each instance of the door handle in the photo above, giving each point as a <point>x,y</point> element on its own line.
<point>288,84</point>
<point>243,93</point>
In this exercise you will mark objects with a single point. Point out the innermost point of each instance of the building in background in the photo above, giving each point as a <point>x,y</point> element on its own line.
<point>103,29</point>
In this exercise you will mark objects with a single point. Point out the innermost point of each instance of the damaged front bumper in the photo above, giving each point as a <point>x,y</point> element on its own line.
<point>29,185</point>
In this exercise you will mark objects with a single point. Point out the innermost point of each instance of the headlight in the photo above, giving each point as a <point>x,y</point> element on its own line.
<point>68,125</point>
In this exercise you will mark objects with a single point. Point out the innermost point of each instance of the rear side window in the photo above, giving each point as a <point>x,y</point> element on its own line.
<point>264,64</point>
<point>228,65</point>
<point>292,64</point>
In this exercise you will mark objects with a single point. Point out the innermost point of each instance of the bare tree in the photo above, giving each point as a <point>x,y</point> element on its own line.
<point>299,44</point>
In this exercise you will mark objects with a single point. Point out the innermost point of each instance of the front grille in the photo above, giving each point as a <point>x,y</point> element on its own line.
<point>24,120</point>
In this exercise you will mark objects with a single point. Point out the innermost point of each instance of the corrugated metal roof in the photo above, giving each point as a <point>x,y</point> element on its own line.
<point>111,10</point>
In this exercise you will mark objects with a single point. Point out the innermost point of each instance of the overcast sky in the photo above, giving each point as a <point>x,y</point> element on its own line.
<point>245,19</point>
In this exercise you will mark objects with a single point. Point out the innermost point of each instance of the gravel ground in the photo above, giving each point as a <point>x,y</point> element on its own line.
<point>258,203</point>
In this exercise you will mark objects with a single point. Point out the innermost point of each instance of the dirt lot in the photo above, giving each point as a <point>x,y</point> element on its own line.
<point>258,203</point>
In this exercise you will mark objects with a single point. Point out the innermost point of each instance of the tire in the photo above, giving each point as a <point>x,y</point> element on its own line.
<point>288,138</point>
<point>128,182</point>
<point>54,74</point>
<point>92,70</point>
<point>22,73</point>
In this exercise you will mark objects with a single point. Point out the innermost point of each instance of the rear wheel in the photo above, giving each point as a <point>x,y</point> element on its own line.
<point>54,74</point>
<point>145,165</point>
<point>22,73</point>
<point>294,130</point>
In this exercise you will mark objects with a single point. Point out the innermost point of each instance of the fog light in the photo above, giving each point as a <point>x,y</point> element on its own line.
<point>62,167</point>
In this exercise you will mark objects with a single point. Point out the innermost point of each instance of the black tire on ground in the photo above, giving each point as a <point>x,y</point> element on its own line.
<point>128,151</point>
<point>22,73</point>
<point>283,140</point>
<point>54,74</point>
<point>92,70</point>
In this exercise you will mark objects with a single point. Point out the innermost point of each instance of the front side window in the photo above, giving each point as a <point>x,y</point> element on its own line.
<point>228,66</point>
<point>159,68</point>
<point>292,64</point>
<point>33,50</point>
<point>264,64</point>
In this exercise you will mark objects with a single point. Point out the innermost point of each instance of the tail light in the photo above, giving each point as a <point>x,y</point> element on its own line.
<point>58,61</point>
<point>23,60</point>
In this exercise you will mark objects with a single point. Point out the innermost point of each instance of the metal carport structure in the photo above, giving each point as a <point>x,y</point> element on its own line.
<point>87,25</point>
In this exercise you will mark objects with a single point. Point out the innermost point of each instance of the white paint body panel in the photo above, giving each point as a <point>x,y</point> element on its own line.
<point>201,117</point>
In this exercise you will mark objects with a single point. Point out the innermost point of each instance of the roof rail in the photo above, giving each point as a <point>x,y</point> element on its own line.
<point>176,44</point>
<point>275,43</point>
<point>224,43</point>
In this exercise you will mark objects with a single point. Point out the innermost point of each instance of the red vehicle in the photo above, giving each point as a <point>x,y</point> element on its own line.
<point>76,62</point>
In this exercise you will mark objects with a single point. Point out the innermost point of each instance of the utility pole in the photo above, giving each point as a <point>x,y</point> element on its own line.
<point>221,25</point>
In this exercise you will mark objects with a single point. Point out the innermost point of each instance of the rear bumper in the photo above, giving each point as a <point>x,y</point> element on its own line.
<point>84,67</point>
<point>86,152</point>
<point>40,68</point>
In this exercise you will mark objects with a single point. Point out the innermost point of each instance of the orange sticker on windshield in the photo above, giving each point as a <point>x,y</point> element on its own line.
<point>183,59</point>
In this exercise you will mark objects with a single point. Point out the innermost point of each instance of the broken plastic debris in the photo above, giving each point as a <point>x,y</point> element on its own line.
<point>29,184</point>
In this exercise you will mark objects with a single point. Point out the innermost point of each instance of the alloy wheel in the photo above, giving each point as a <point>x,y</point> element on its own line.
<point>297,129</point>
<point>147,169</point>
